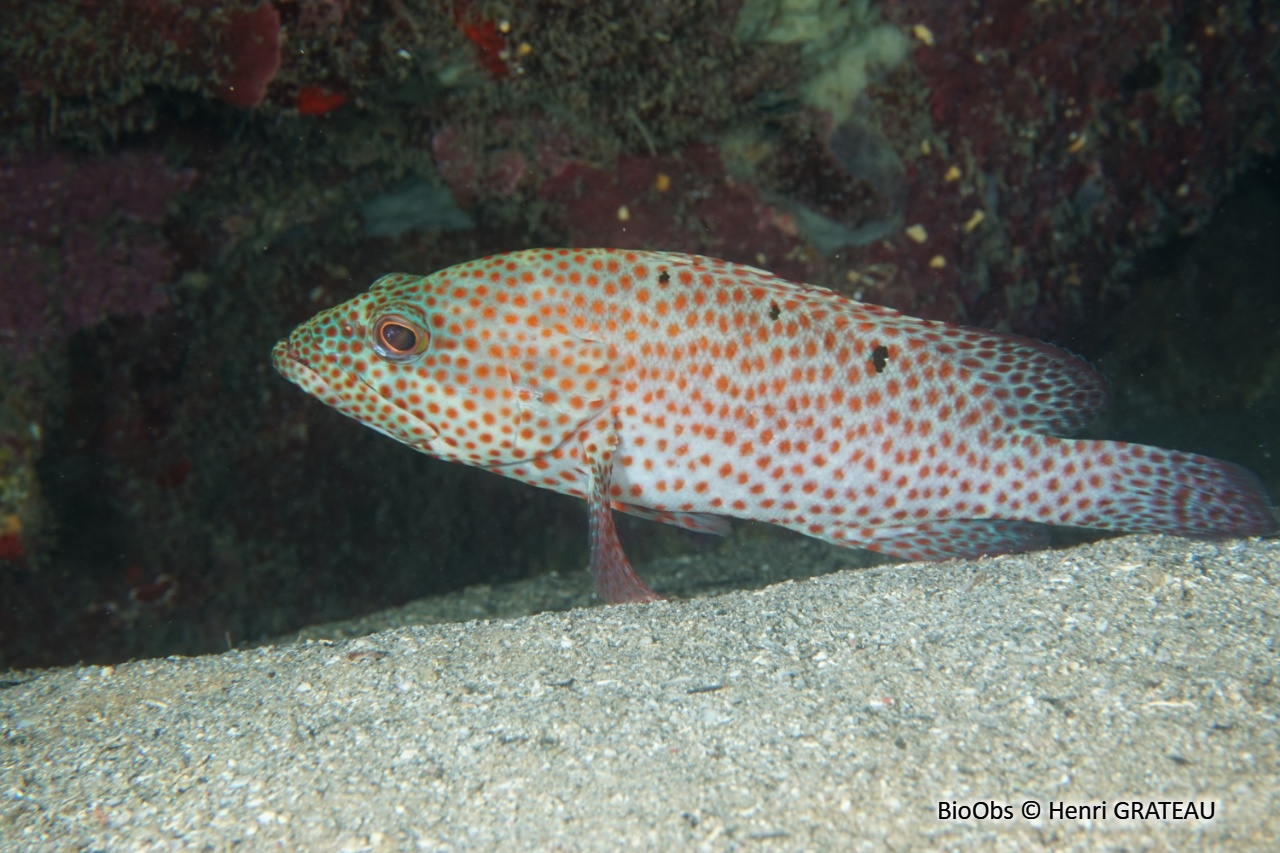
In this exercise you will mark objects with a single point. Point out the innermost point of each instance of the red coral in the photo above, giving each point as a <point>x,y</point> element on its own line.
<point>112,53</point>
<point>491,47</point>
<point>317,100</point>
<point>251,55</point>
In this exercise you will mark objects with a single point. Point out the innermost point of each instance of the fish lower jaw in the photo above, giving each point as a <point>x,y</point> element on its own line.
<point>287,362</point>
<point>284,357</point>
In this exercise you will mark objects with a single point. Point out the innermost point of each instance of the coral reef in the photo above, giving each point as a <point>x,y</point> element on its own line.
<point>843,47</point>
<point>80,241</point>
<point>85,69</point>
<point>1063,138</point>
<point>21,416</point>
<point>1003,163</point>
<point>684,203</point>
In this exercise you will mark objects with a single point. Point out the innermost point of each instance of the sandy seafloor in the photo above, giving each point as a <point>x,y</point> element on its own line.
<point>833,713</point>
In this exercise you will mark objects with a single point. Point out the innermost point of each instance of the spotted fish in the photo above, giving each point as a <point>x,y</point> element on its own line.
<point>686,389</point>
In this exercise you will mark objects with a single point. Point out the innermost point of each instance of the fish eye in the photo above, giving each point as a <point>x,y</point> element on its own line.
<point>397,338</point>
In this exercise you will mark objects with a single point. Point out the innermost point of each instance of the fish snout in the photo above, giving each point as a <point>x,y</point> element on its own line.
<point>285,355</point>
<point>299,350</point>
<point>281,353</point>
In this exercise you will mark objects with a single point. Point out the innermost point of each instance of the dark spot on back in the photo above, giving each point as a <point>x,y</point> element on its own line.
<point>663,277</point>
<point>774,311</point>
<point>879,357</point>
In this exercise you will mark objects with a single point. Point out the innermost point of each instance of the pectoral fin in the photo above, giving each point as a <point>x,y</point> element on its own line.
<point>616,581</point>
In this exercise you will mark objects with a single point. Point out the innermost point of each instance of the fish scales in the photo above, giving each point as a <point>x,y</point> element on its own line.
<point>685,389</point>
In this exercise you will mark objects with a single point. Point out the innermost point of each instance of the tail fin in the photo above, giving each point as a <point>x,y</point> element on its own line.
<point>1140,489</point>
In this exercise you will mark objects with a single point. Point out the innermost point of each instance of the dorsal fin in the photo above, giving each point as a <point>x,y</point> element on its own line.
<point>1042,388</point>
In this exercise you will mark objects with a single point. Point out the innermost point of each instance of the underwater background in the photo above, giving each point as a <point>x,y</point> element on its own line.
<point>181,183</point>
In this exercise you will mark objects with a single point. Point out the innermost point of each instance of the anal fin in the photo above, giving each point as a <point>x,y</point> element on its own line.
<point>948,539</point>
<point>701,522</point>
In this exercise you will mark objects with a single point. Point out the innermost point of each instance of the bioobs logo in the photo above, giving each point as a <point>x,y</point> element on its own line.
<point>1179,810</point>
<point>981,810</point>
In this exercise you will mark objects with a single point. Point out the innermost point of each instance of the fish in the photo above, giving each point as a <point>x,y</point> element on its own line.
<point>690,390</point>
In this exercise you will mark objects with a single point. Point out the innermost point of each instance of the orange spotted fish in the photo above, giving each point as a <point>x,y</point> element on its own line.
<point>685,389</point>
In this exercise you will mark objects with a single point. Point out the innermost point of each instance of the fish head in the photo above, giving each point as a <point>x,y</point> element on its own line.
<point>427,362</point>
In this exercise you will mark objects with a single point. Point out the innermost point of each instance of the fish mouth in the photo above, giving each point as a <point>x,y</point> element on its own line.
<point>291,365</point>
<point>353,401</point>
<point>283,355</point>
<point>289,362</point>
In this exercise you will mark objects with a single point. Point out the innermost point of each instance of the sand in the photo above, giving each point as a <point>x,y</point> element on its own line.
<point>832,713</point>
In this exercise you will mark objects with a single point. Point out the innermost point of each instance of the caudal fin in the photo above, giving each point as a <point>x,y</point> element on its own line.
<point>1139,489</point>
